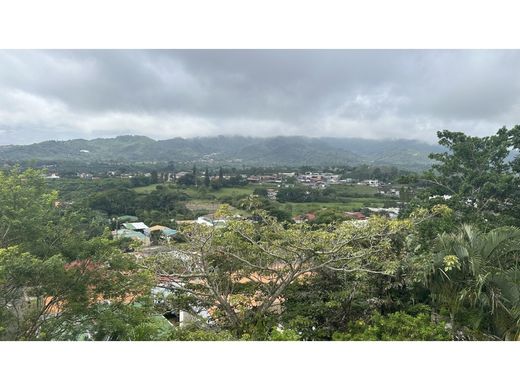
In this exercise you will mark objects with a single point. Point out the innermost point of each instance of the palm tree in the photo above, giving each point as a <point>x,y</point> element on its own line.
<point>480,271</point>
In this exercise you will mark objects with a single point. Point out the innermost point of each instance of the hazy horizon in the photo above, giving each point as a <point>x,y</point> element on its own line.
<point>219,135</point>
<point>162,94</point>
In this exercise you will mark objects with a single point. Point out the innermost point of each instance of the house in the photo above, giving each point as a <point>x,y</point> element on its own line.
<point>308,217</point>
<point>390,212</point>
<point>165,285</point>
<point>210,220</point>
<point>371,183</point>
<point>158,232</point>
<point>135,231</point>
<point>136,226</point>
<point>86,176</point>
<point>445,197</point>
<point>254,179</point>
<point>132,234</point>
<point>355,215</point>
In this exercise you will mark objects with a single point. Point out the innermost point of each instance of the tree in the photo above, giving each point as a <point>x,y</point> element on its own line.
<point>27,212</point>
<point>220,176</point>
<point>474,270</point>
<point>154,178</point>
<point>195,178</point>
<point>51,299</point>
<point>397,326</point>
<point>475,175</point>
<point>187,180</point>
<point>56,281</point>
<point>329,216</point>
<point>206,178</point>
<point>115,202</point>
<point>241,272</point>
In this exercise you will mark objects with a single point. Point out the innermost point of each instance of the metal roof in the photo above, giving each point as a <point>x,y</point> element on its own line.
<point>169,232</point>
<point>126,233</point>
<point>128,218</point>
<point>135,226</point>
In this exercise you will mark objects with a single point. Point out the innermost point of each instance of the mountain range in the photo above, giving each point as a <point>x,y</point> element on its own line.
<point>230,150</point>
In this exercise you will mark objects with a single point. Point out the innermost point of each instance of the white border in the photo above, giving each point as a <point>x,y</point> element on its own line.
<point>258,24</point>
<point>260,365</point>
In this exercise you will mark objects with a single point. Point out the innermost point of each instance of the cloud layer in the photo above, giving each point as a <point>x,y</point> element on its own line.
<point>169,93</point>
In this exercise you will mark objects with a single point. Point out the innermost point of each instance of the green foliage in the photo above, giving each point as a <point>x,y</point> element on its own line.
<point>115,202</point>
<point>397,326</point>
<point>189,334</point>
<point>477,175</point>
<point>424,276</point>
<point>472,271</point>
<point>254,151</point>
<point>34,291</point>
<point>242,272</point>
<point>284,335</point>
<point>27,215</point>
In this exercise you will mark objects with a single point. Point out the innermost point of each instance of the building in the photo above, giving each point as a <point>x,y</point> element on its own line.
<point>355,215</point>
<point>390,212</point>
<point>135,231</point>
<point>371,182</point>
<point>210,220</point>
<point>308,217</point>
<point>164,233</point>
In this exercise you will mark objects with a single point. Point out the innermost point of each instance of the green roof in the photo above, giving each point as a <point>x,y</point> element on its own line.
<point>169,232</point>
<point>128,218</point>
<point>125,233</point>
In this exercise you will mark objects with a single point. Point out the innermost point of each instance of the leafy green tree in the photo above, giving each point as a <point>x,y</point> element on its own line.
<point>206,178</point>
<point>187,180</point>
<point>27,212</point>
<point>115,202</point>
<point>397,326</point>
<point>241,272</point>
<point>154,178</point>
<point>328,216</point>
<point>476,176</point>
<point>195,175</point>
<point>52,299</point>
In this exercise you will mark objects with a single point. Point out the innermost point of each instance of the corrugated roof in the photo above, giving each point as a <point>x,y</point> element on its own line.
<point>126,233</point>
<point>157,228</point>
<point>164,230</point>
<point>128,218</point>
<point>169,232</point>
<point>135,226</point>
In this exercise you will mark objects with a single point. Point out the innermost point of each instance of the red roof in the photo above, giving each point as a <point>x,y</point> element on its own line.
<point>82,264</point>
<point>356,215</point>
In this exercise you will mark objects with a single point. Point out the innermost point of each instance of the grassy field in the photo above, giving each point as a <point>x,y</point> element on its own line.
<point>355,189</point>
<point>146,189</point>
<point>201,192</point>
<point>210,199</point>
<point>354,204</point>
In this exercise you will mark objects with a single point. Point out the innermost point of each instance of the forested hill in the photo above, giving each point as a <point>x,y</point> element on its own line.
<point>293,150</point>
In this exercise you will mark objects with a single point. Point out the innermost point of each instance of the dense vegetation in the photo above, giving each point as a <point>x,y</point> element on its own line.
<point>446,269</point>
<point>234,151</point>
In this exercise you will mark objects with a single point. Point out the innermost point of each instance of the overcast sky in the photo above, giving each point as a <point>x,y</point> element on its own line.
<point>164,94</point>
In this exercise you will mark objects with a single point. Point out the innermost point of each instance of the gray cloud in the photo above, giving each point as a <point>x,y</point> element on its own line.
<point>167,93</point>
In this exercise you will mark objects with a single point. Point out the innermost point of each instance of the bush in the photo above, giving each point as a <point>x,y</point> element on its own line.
<point>284,335</point>
<point>397,326</point>
<point>188,334</point>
